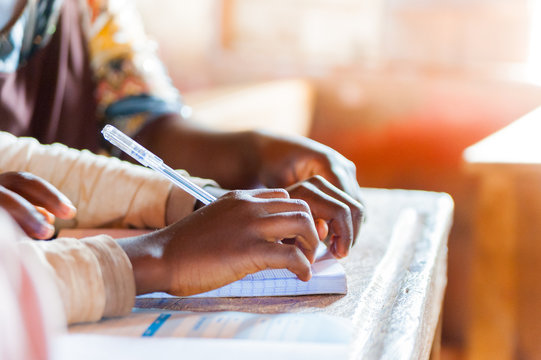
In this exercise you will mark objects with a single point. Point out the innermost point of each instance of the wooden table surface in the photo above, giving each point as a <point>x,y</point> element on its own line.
<point>395,289</point>
<point>506,291</point>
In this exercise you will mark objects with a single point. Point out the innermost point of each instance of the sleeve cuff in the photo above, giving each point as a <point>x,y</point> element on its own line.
<point>117,274</point>
<point>78,278</point>
<point>94,276</point>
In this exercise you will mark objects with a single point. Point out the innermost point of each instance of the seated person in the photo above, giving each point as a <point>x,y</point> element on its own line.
<point>69,67</point>
<point>195,252</point>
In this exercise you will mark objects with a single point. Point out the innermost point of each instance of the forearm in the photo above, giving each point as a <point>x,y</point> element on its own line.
<point>228,158</point>
<point>105,191</point>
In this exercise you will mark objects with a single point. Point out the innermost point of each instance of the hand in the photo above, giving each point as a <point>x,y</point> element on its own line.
<point>284,161</point>
<point>175,210</point>
<point>246,159</point>
<point>334,210</point>
<point>33,203</point>
<point>236,235</point>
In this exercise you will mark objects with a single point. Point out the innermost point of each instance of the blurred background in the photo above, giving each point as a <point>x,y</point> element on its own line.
<point>400,87</point>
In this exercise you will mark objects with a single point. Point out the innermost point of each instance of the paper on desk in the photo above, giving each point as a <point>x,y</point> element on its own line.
<point>91,347</point>
<point>287,327</point>
<point>328,277</point>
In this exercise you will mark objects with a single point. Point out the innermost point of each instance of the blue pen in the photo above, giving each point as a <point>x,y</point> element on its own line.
<point>145,157</point>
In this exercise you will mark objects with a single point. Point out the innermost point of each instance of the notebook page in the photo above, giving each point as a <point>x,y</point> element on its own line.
<point>328,277</point>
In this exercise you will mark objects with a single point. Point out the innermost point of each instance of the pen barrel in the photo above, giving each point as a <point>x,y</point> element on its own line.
<point>192,189</point>
<point>147,158</point>
<point>130,147</point>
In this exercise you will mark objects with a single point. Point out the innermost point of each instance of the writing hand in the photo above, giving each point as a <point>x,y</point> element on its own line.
<point>236,235</point>
<point>342,214</point>
<point>33,203</point>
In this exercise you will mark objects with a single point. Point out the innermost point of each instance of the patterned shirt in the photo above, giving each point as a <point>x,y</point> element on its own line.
<point>132,86</point>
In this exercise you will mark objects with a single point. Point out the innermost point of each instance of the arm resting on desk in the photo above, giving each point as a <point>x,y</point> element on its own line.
<point>106,191</point>
<point>94,276</point>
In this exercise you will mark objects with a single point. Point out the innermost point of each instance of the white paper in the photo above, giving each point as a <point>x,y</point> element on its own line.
<point>286,327</point>
<point>318,328</point>
<point>92,347</point>
<point>328,277</point>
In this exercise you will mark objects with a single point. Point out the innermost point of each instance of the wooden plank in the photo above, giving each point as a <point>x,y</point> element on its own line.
<point>493,329</point>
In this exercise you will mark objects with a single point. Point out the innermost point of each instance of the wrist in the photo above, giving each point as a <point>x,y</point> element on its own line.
<point>253,153</point>
<point>178,205</point>
<point>146,254</point>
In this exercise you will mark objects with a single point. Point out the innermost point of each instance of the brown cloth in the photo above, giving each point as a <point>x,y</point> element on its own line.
<point>51,97</point>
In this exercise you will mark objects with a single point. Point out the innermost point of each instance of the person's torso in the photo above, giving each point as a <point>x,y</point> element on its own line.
<point>51,95</point>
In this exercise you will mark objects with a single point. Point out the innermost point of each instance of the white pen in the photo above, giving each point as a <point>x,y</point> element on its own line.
<point>145,157</point>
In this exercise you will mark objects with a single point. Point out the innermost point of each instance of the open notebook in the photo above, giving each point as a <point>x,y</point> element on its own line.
<point>328,277</point>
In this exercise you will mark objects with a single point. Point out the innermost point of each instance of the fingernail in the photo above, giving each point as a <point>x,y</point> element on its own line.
<point>68,204</point>
<point>322,228</point>
<point>46,231</point>
<point>68,210</point>
<point>71,210</point>
<point>47,216</point>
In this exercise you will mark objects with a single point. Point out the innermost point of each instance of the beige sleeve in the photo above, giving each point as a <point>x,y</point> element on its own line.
<point>94,276</point>
<point>106,191</point>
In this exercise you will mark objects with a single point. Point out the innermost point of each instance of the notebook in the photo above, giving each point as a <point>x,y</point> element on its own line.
<point>93,346</point>
<point>328,277</point>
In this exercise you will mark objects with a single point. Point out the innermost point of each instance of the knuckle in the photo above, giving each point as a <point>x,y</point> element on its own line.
<point>318,180</point>
<point>280,192</point>
<point>343,208</point>
<point>357,213</point>
<point>252,228</point>
<point>236,194</point>
<point>350,165</point>
<point>240,198</point>
<point>327,158</point>
<point>304,185</point>
<point>302,217</point>
<point>302,204</point>
<point>293,253</point>
<point>300,188</point>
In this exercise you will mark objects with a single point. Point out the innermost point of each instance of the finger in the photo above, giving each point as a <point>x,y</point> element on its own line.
<point>322,228</point>
<point>342,174</point>
<point>281,256</point>
<point>39,192</point>
<point>332,177</point>
<point>25,214</point>
<point>336,213</point>
<point>275,205</point>
<point>356,208</point>
<point>46,214</point>
<point>298,225</point>
<point>269,193</point>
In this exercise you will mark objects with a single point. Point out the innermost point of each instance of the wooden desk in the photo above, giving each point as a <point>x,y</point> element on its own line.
<point>506,291</point>
<point>395,314</point>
